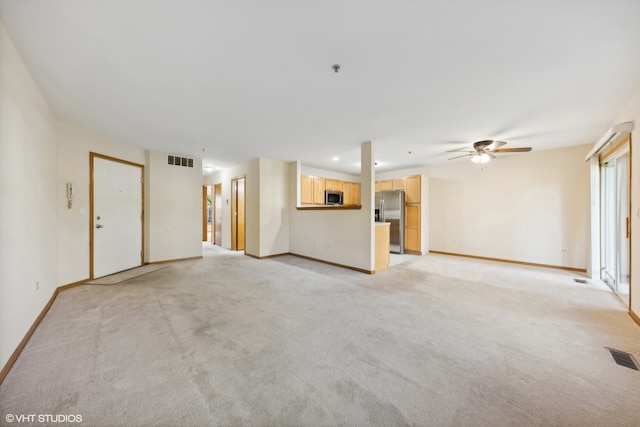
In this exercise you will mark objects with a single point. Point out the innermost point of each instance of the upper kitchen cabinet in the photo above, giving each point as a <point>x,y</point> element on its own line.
<point>333,184</point>
<point>413,189</point>
<point>312,189</point>
<point>318,190</point>
<point>390,184</point>
<point>351,193</point>
<point>306,189</point>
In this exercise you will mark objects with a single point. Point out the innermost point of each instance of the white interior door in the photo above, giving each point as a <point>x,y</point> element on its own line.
<point>117,216</point>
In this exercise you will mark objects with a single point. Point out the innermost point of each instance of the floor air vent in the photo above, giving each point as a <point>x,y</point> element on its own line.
<point>580,280</point>
<point>623,359</point>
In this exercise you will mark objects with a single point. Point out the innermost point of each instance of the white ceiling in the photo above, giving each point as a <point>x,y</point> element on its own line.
<point>241,79</point>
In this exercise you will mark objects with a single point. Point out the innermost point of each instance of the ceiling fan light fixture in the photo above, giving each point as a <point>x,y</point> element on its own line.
<point>480,158</point>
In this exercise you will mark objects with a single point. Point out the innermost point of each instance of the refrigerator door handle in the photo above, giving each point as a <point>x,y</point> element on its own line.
<point>382,210</point>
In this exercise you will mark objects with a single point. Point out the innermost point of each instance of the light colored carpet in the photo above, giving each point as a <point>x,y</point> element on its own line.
<point>126,275</point>
<point>232,340</point>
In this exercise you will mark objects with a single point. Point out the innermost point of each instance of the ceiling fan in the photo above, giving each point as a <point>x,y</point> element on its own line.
<point>483,151</point>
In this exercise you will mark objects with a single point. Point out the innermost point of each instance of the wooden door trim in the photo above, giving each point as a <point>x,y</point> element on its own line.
<point>234,218</point>
<point>204,213</point>
<point>215,214</point>
<point>628,139</point>
<point>93,156</point>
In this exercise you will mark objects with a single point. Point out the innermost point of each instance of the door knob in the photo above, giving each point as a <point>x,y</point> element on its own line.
<point>99,225</point>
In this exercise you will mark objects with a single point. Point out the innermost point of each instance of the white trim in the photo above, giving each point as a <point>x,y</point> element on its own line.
<point>613,135</point>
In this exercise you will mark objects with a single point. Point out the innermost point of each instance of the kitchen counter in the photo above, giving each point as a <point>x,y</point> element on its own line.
<point>328,207</point>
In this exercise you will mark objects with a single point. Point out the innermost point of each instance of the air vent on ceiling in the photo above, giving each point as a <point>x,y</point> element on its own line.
<point>179,161</point>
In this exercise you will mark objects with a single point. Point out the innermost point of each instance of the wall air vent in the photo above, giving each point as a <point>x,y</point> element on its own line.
<point>179,161</point>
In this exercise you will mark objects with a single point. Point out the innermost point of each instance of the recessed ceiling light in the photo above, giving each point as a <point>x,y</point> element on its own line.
<point>335,159</point>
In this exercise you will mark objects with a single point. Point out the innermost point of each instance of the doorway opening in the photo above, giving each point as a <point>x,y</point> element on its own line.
<point>207,208</point>
<point>217,215</point>
<point>238,214</point>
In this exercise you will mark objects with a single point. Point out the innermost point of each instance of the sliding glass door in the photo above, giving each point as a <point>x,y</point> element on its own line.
<point>615,226</point>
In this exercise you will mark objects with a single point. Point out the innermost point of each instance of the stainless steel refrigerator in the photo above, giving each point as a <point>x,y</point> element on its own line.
<point>389,207</point>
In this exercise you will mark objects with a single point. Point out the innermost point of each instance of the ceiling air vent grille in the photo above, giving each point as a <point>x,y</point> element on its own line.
<point>179,161</point>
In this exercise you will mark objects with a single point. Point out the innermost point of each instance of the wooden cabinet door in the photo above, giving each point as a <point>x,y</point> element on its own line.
<point>378,186</point>
<point>412,227</point>
<point>386,185</point>
<point>412,189</point>
<point>347,198</point>
<point>306,189</point>
<point>398,184</point>
<point>329,184</point>
<point>338,185</point>
<point>318,190</point>
<point>357,197</point>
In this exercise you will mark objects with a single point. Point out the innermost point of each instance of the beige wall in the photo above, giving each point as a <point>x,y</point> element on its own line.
<point>308,170</point>
<point>43,244</point>
<point>74,145</point>
<point>173,209</point>
<point>631,112</point>
<point>29,206</point>
<point>340,236</point>
<point>524,207</point>
<point>274,209</point>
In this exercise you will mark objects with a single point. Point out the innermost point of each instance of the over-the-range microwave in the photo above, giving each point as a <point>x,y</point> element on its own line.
<point>332,197</point>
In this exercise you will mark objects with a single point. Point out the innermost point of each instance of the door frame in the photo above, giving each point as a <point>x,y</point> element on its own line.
<point>93,156</point>
<point>621,148</point>
<point>217,210</point>
<point>234,209</point>
<point>204,212</point>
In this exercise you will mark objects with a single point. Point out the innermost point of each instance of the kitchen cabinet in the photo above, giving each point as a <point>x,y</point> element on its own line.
<point>355,190</point>
<point>412,227</point>
<point>389,184</point>
<point>347,196</point>
<point>386,185</point>
<point>415,214</point>
<point>398,184</point>
<point>312,190</point>
<point>351,193</point>
<point>306,189</point>
<point>318,190</point>
<point>332,184</point>
<point>413,189</point>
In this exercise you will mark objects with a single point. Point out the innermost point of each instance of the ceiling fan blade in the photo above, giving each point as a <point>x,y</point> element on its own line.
<point>513,150</point>
<point>464,155</point>
<point>467,150</point>
<point>495,145</point>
